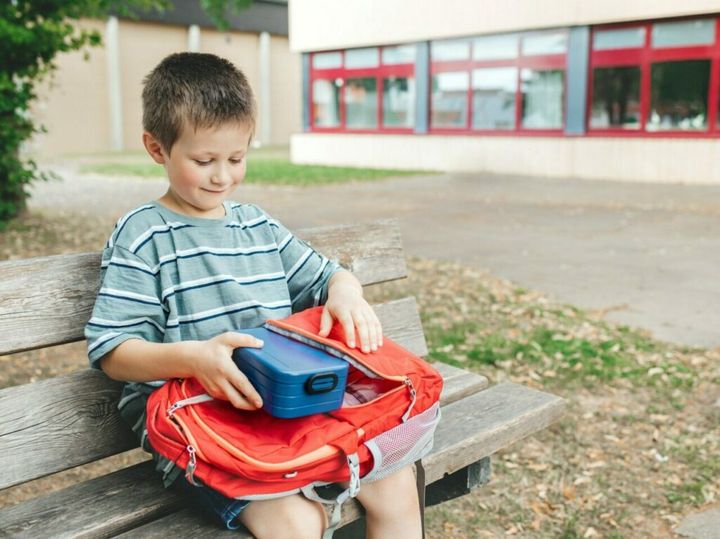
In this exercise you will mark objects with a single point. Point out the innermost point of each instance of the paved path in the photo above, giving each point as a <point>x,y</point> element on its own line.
<point>648,254</point>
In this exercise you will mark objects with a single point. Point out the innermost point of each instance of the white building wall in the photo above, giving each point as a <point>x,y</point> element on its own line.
<point>665,160</point>
<point>332,24</point>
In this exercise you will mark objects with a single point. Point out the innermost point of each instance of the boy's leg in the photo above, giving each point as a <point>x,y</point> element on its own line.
<point>392,506</point>
<point>293,517</point>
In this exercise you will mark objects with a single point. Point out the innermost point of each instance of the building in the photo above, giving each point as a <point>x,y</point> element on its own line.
<point>93,104</point>
<point>611,89</point>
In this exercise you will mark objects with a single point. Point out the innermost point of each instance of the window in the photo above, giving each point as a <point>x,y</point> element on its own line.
<point>683,33</point>
<point>679,98</point>
<point>457,49</point>
<point>327,60</point>
<point>401,54</point>
<point>654,77</point>
<point>361,103</point>
<point>616,97</point>
<point>544,44</point>
<point>542,92</point>
<point>494,90</point>
<point>346,89</point>
<point>356,58</point>
<point>326,103</point>
<point>622,38</point>
<point>499,83</point>
<point>500,47</point>
<point>449,99</point>
<point>399,102</point>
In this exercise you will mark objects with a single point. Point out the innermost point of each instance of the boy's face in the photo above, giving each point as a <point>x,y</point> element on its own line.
<point>204,167</point>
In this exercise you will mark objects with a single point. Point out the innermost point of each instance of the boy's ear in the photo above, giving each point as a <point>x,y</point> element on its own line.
<point>153,147</point>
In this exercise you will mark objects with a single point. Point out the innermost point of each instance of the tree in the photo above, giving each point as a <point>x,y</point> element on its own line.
<point>32,33</point>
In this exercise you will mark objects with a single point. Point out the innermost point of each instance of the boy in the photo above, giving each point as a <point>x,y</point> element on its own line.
<point>183,274</point>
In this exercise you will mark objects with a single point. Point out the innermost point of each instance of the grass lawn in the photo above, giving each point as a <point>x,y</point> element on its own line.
<point>265,166</point>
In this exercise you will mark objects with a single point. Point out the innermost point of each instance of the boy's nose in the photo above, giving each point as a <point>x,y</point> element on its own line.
<point>221,177</point>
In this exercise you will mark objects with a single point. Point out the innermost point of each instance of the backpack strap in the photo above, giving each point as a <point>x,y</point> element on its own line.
<point>352,491</point>
<point>420,478</point>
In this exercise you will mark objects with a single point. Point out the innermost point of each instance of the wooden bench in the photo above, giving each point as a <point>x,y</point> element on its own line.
<point>67,421</point>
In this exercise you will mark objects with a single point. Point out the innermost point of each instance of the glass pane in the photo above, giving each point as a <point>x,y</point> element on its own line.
<point>326,103</point>
<point>402,54</point>
<point>674,34</point>
<point>494,92</point>
<point>679,95</point>
<point>449,99</point>
<point>542,98</point>
<point>622,38</point>
<point>327,60</point>
<point>616,97</point>
<point>457,49</point>
<point>362,58</point>
<point>496,47</point>
<point>549,43</point>
<point>361,103</point>
<point>399,102</point>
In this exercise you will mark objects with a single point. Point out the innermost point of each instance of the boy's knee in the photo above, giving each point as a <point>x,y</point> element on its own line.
<point>291,517</point>
<point>396,493</point>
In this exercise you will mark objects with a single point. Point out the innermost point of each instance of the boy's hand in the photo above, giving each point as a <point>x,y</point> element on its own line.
<point>346,305</point>
<point>219,375</point>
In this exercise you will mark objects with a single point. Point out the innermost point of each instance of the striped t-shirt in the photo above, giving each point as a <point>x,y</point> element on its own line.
<point>168,277</point>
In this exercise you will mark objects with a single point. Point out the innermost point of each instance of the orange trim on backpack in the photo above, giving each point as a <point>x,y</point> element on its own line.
<point>321,453</point>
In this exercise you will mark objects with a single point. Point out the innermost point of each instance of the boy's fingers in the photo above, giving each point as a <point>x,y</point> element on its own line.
<point>372,334</point>
<point>325,322</point>
<point>348,328</point>
<point>363,332</point>
<point>242,387</point>
<point>377,327</point>
<point>240,340</point>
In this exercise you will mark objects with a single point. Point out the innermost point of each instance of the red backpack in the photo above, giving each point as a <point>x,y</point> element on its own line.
<point>252,455</point>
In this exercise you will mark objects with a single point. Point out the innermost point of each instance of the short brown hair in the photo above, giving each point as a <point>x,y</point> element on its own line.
<point>201,89</point>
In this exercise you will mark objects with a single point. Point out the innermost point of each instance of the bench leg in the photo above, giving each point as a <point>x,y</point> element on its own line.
<point>420,478</point>
<point>459,483</point>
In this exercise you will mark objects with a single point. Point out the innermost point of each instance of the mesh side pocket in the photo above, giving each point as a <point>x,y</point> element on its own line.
<point>403,445</point>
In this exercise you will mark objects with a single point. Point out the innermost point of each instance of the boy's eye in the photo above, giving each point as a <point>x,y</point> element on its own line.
<point>236,161</point>
<point>202,163</point>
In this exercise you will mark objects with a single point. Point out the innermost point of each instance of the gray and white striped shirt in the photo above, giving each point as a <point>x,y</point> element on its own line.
<point>168,277</point>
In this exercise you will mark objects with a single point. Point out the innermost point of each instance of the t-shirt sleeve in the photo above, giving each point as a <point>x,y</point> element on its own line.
<point>127,306</point>
<point>307,271</point>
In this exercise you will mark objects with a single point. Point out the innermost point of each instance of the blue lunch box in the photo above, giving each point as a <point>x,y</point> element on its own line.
<point>293,379</point>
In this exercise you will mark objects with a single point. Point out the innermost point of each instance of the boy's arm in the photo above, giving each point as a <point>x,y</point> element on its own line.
<point>346,305</point>
<point>210,362</point>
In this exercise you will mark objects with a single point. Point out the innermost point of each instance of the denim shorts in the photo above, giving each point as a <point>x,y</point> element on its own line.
<point>217,507</point>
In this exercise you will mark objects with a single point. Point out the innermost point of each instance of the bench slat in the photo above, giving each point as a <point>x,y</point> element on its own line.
<point>129,498</point>
<point>75,416</point>
<point>46,301</point>
<point>101,507</point>
<point>483,423</point>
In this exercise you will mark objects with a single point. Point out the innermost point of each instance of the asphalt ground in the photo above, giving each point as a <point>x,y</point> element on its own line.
<point>647,255</point>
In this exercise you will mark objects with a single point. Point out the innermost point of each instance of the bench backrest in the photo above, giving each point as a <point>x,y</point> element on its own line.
<point>63,422</point>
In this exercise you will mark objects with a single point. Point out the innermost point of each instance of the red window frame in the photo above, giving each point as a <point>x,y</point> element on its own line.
<point>379,73</point>
<point>643,57</point>
<point>520,62</point>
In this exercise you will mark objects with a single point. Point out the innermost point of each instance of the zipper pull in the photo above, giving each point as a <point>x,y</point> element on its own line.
<point>192,464</point>
<point>172,409</point>
<point>413,395</point>
<point>411,387</point>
